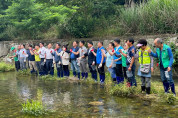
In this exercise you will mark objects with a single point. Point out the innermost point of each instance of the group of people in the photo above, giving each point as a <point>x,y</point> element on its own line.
<point>120,61</point>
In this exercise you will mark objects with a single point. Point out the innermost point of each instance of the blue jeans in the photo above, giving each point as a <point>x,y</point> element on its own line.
<point>50,66</point>
<point>163,77</point>
<point>74,66</point>
<point>112,72</point>
<point>132,79</point>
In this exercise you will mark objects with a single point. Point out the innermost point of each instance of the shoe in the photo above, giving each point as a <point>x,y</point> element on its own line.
<point>143,88</point>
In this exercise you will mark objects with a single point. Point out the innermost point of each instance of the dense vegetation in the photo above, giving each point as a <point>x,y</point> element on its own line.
<point>49,19</point>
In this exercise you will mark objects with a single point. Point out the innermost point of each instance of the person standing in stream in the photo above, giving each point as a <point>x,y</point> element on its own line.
<point>100,61</point>
<point>82,59</point>
<point>58,61</point>
<point>64,54</point>
<point>15,57</point>
<point>22,56</point>
<point>41,53</point>
<point>146,65</point>
<point>110,61</point>
<point>130,62</point>
<point>91,60</point>
<point>73,59</point>
<point>165,56</point>
<point>49,59</point>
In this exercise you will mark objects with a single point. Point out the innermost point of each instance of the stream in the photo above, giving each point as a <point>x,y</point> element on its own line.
<point>71,99</point>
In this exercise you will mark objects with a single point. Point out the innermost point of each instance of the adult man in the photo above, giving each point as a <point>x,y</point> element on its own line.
<point>73,59</point>
<point>100,61</point>
<point>31,59</point>
<point>15,57</point>
<point>41,53</point>
<point>130,61</point>
<point>57,60</point>
<point>22,56</point>
<point>49,59</point>
<point>165,56</point>
<point>91,60</point>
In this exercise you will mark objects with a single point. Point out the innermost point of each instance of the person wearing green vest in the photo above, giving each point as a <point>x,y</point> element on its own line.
<point>146,65</point>
<point>165,56</point>
<point>15,57</point>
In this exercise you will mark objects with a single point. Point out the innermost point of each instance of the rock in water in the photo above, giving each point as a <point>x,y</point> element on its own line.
<point>73,78</point>
<point>96,103</point>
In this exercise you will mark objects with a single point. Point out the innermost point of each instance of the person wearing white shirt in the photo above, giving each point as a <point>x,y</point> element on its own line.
<point>49,59</point>
<point>41,53</point>
<point>64,54</point>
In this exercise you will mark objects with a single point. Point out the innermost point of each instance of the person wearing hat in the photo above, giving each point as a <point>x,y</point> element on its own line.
<point>15,57</point>
<point>146,65</point>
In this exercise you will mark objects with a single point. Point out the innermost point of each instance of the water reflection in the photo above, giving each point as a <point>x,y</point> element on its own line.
<point>72,99</point>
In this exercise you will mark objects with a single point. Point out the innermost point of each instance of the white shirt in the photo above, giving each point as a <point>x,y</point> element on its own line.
<point>48,53</point>
<point>42,52</point>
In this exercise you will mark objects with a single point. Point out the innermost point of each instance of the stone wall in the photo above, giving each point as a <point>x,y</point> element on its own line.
<point>6,45</point>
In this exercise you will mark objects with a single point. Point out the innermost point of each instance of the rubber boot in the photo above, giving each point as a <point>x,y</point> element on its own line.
<point>74,74</point>
<point>78,75</point>
<point>114,79</point>
<point>122,80</point>
<point>31,71</point>
<point>173,89</point>
<point>143,88</point>
<point>62,74</point>
<point>83,74</point>
<point>95,77</point>
<point>58,73</point>
<point>166,87</point>
<point>148,90</point>
<point>86,75</point>
<point>118,80</point>
<point>101,79</point>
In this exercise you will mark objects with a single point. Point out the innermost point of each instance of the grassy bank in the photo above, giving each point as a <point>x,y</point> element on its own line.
<point>6,67</point>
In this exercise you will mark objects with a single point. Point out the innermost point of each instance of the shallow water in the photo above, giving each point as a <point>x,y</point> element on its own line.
<point>71,99</point>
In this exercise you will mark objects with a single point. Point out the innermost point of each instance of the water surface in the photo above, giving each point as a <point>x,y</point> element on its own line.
<point>71,99</point>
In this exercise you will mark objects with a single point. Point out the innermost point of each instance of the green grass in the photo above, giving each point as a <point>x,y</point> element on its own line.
<point>33,108</point>
<point>25,72</point>
<point>155,17</point>
<point>6,67</point>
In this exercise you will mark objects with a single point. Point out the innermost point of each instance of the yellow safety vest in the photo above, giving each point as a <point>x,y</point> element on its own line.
<point>144,57</point>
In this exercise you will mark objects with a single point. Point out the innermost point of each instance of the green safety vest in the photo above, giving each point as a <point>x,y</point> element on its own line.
<point>165,57</point>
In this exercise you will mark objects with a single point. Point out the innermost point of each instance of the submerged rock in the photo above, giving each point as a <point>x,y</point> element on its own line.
<point>96,103</point>
<point>73,78</point>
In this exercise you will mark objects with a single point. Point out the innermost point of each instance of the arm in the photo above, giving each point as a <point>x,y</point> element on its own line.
<point>170,57</point>
<point>154,54</point>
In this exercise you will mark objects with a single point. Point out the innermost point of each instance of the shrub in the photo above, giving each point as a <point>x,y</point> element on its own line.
<point>33,108</point>
<point>6,67</point>
<point>123,90</point>
<point>156,16</point>
<point>24,72</point>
